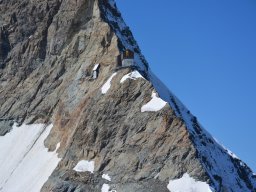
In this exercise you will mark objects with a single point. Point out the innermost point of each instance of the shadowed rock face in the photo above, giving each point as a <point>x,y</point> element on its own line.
<point>4,46</point>
<point>48,50</point>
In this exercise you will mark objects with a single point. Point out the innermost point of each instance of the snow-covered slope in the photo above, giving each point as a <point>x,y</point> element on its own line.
<point>25,163</point>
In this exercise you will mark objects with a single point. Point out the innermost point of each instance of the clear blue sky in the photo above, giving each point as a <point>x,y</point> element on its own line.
<point>205,52</point>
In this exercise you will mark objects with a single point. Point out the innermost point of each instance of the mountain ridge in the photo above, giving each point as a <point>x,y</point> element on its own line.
<point>52,84</point>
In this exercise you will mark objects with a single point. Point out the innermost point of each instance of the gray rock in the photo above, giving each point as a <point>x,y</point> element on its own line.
<point>5,126</point>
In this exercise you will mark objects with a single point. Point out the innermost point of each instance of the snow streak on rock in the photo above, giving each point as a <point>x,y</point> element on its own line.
<point>95,66</point>
<point>107,85</point>
<point>25,163</point>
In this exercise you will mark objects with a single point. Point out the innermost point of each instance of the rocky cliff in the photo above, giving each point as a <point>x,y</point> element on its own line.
<point>124,131</point>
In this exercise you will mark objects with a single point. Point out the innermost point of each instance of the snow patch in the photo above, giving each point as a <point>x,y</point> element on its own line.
<point>84,166</point>
<point>155,104</point>
<point>105,188</point>
<point>107,85</point>
<point>106,176</point>
<point>188,184</point>
<point>133,75</point>
<point>25,163</point>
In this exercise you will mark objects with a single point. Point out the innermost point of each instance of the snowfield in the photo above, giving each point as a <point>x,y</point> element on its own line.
<point>25,163</point>
<point>133,75</point>
<point>188,184</point>
<point>156,104</point>
<point>107,85</point>
<point>84,166</point>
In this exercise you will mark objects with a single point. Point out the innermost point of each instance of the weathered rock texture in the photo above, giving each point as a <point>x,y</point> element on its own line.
<point>47,51</point>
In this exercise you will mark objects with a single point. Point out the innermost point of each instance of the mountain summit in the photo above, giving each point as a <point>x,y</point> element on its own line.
<point>80,110</point>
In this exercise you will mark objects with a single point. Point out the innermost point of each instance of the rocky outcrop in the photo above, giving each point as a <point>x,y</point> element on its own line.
<point>48,50</point>
<point>5,126</point>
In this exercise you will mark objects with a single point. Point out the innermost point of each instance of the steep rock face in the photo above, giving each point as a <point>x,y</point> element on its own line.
<point>48,50</point>
<point>125,143</point>
<point>52,62</point>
